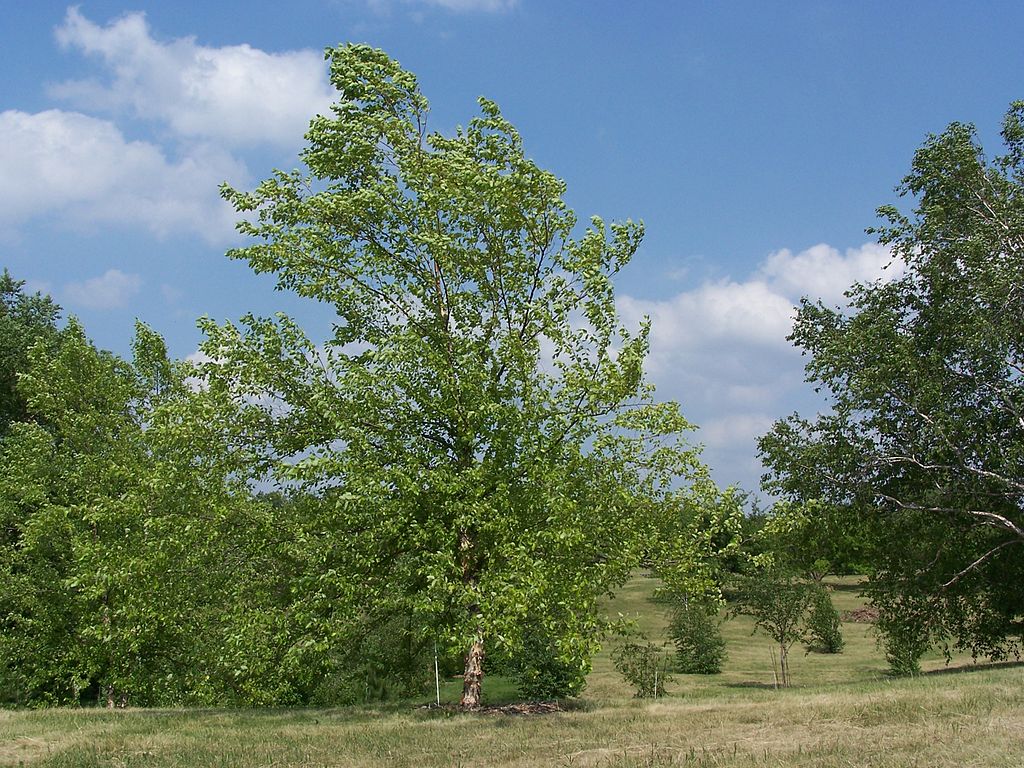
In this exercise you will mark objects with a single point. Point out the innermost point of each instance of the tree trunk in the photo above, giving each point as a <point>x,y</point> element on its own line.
<point>784,665</point>
<point>473,675</point>
<point>109,692</point>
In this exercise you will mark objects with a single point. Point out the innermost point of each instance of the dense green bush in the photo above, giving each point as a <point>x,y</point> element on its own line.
<point>542,672</point>
<point>824,633</point>
<point>904,647</point>
<point>700,649</point>
<point>388,661</point>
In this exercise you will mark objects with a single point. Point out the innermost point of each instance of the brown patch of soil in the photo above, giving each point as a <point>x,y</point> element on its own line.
<point>864,615</point>
<point>524,708</point>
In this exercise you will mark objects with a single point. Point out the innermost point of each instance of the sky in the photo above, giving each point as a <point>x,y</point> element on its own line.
<point>754,140</point>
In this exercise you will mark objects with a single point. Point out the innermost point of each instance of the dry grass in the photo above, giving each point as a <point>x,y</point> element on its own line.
<point>844,712</point>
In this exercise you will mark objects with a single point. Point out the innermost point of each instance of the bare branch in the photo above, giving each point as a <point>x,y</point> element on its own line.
<point>979,561</point>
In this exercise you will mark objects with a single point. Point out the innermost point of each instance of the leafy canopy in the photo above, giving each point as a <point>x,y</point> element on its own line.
<point>478,421</point>
<point>923,449</point>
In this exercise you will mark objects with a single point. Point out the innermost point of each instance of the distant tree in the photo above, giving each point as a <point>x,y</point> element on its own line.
<point>923,448</point>
<point>643,666</point>
<point>479,405</point>
<point>778,603</point>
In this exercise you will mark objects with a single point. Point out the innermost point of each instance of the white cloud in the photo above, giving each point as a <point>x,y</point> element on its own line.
<point>720,348</point>
<point>235,94</point>
<point>731,429</point>
<point>109,291</point>
<point>822,272</point>
<point>715,313</point>
<point>85,170</point>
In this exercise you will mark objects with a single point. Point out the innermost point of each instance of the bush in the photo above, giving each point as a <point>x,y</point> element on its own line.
<point>823,627</point>
<point>903,650</point>
<point>700,649</point>
<point>541,672</point>
<point>643,667</point>
<point>389,661</point>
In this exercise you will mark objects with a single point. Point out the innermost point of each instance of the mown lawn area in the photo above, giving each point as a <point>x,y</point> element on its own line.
<point>843,711</point>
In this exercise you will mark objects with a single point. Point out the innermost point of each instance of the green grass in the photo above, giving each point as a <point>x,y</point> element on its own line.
<point>843,711</point>
<point>749,662</point>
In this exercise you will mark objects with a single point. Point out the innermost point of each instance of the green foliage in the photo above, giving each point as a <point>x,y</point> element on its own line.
<point>68,496</point>
<point>700,648</point>
<point>904,645</point>
<point>479,415</point>
<point>132,561</point>
<point>388,662</point>
<point>644,667</point>
<point>907,628</point>
<point>923,448</point>
<point>812,538</point>
<point>25,320</point>
<point>778,603</point>
<point>543,669</point>
<point>697,542</point>
<point>824,630</point>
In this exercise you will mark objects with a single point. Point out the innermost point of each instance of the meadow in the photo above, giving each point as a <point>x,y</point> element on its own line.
<point>843,710</point>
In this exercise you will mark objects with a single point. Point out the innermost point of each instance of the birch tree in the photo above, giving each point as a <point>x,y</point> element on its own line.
<point>923,449</point>
<point>478,422</point>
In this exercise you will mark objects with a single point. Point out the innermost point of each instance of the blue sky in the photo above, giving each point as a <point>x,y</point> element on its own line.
<point>754,139</point>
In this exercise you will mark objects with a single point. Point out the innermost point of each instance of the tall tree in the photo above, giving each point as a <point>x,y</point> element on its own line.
<point>924,444</point>
<point>478,423</point>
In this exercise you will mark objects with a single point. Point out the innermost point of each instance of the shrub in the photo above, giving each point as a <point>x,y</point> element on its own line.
<point>643,667</point>
<point>700,649</point>
<point>823,627</point>
<point>541,672</point>
<point>903,649</point>
<point>388,661</point>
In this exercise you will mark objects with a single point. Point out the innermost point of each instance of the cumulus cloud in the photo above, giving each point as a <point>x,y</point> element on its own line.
<point>720,348</point>
<point>236,94</point>
<point>85,170</point>
<point>822,272</point>
<point>110,290</point>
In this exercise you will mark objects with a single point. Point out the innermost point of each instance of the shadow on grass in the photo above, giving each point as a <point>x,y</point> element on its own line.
<point>966,668</point>
<point>233,716</point>
<point>839,586</point>
<point>752,684</point>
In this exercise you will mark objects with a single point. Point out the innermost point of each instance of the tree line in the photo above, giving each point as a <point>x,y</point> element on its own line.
<point>470,462</point>
<point>473,459</point>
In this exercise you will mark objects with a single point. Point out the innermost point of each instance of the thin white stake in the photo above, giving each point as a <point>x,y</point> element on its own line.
<point>437,677</point>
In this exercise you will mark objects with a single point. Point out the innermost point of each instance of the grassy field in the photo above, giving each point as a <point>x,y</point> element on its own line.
<point>843,711</point>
